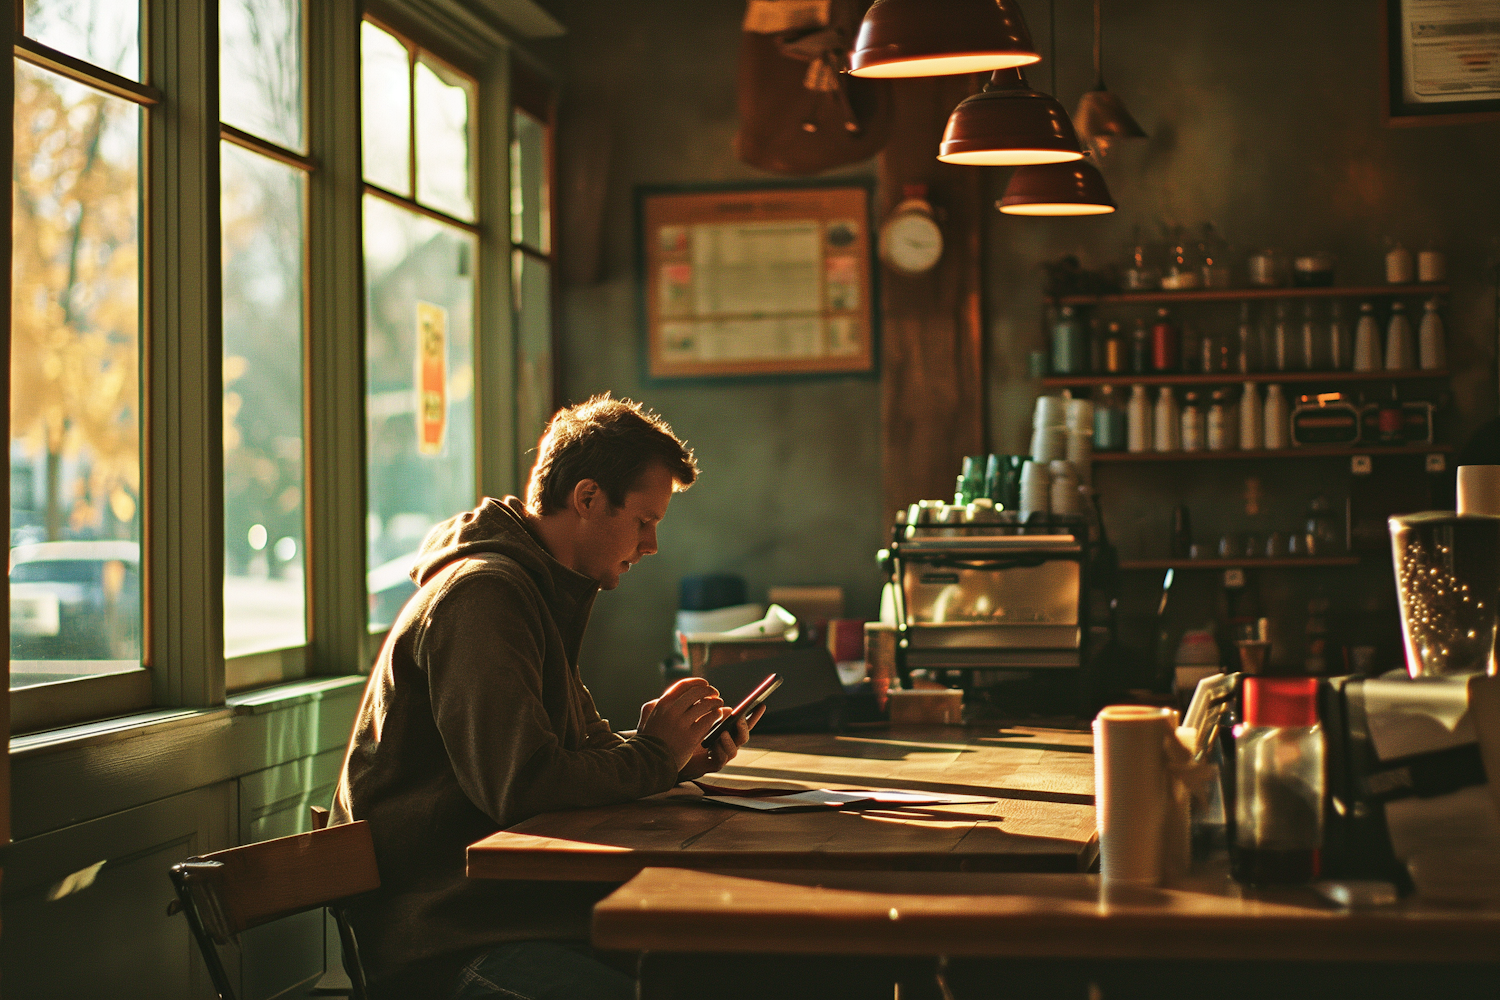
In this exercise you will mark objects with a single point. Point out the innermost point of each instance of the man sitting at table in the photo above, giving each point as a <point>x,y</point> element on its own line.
<point>475,717</point>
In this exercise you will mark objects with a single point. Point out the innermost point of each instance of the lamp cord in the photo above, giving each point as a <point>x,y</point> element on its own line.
<point>1098,45</point>
<point>1052,40</point>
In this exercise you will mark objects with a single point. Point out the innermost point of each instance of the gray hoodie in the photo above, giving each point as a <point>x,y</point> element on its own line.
<point>475,718</point>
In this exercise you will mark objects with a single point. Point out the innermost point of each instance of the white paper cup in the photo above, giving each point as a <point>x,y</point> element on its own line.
<point>1081,454</point>
<point>1051,411</point>
<point>1049,444</point>
<point>1133,797</point>
<point>1036,489</point>
<point>1080,415</point>
<point>1479,489</point>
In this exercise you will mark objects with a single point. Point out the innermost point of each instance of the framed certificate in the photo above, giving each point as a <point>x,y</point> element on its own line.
<point>1442,61</point>
<point>756,280</point>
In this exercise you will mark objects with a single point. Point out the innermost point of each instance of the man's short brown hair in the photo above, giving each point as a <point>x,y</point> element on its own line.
<point>611,441</point>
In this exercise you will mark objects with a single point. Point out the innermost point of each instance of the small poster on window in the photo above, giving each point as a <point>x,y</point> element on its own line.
<point>432,377</point>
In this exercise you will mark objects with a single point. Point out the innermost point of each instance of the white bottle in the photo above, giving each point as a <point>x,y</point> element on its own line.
<point>1191,423</point>
<point>1367,341</point>
<point>1400,353</point>
<point>1311,357</point>
<point>1338,339</point>
<point>1167,421</point>
<point>1275,418</point>
<point>1251,437</point>
<point>1138,435</point>
<point>1220,423</point>
<point>1433,352</point>
<point>1281,340</point>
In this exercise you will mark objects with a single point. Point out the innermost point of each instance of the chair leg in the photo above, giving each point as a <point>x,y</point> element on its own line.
<point>206,945</point>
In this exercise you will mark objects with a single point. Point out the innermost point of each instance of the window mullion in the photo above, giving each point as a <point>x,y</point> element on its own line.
<point>335,341</point>
<point>183,360</point>
<point>498,470</point>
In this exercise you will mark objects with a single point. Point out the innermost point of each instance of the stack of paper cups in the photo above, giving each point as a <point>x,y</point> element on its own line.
<point>1064,488</point>
<point>1133,794</point>
<point>1479,489</point>
<point>1049,429</point>
<point>1049,444</point>
<point>1036,489</point>
<point>1081,439</point>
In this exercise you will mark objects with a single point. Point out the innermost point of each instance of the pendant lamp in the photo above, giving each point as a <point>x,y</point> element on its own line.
<point>1101,117</point>
<point>1009,124</point>
<point>1075,188</point>
<point>940,38</point>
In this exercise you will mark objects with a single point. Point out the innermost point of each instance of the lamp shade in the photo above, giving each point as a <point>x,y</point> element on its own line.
<point>940,38</point>
<point>1009,124</point>
<point>1075,188</point>
<point>1102,115</point>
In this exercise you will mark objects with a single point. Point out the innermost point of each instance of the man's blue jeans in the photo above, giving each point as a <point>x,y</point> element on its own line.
<point>542,970</point>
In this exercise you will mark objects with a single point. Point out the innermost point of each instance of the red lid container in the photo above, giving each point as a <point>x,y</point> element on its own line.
<point>1281,701</point>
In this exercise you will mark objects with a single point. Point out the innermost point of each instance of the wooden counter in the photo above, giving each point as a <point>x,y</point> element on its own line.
<point>1042,818</point>
<point>1024,916</point>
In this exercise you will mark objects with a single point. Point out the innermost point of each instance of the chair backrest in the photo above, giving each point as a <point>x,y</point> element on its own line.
<point>230,891</point>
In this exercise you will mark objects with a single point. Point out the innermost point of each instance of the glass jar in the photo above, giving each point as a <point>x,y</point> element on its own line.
<point>1266,267</point>
<point>1279,782</point>
<point>1070,344</point>
<point>1324,537</point>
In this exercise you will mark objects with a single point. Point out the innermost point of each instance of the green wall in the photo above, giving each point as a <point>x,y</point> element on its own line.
<point>790,491</point>
<point>1264,119</point>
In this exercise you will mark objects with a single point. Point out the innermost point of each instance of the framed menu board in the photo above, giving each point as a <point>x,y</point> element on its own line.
<point>1442,61</point>
<point>764,280</point>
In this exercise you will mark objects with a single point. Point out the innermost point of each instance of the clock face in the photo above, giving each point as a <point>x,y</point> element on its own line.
<point>911,242</point>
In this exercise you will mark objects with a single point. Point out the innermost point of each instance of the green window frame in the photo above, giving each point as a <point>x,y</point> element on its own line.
<point>181,348</point>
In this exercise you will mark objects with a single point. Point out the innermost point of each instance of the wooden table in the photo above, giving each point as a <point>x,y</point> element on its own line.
<point>1042,819</point>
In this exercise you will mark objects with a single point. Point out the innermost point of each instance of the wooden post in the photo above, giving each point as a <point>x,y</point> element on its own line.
<point>932,335</point>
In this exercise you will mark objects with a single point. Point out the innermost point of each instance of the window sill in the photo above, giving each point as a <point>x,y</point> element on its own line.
<point>104,731</point>
<point>79,701</point>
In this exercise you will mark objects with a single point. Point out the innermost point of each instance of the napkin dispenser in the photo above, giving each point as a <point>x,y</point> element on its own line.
<point>1412,780</point>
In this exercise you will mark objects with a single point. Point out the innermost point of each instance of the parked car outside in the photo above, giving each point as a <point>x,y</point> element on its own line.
<point>75,600</point>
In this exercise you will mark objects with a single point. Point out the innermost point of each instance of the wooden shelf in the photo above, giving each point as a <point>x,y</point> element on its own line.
<point>1276,562</point>
<point>1244,294</point>
<point>1302,451</point>
<point>1235,378</point>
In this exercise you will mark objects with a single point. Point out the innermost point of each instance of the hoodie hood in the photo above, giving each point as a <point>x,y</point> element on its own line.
<point>499,527</point>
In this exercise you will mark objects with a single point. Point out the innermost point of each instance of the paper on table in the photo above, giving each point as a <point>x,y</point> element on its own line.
<point>781,800</point>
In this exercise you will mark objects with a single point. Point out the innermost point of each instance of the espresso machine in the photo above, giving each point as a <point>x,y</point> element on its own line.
<point>977,590</point>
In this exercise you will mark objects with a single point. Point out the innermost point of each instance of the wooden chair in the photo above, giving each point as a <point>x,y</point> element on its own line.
<point>230,891</point>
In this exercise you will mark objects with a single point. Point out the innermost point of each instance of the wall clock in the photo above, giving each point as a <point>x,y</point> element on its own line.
<point>910,240</point>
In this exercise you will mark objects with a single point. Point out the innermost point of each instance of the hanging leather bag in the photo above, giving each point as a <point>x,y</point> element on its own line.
<point>799,113</point>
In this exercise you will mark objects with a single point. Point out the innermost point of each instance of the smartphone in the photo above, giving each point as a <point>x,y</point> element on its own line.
<point>754,698</point>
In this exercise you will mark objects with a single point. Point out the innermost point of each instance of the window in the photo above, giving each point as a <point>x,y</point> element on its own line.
<point>531,257</point>
<point>421,256</point>
<point>200,353</point>
<point>262,199</point>
<point>75,371</point>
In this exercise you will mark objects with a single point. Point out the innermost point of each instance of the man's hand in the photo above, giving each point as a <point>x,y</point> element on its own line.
<point>723,750</point>
<point>682,716</point>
